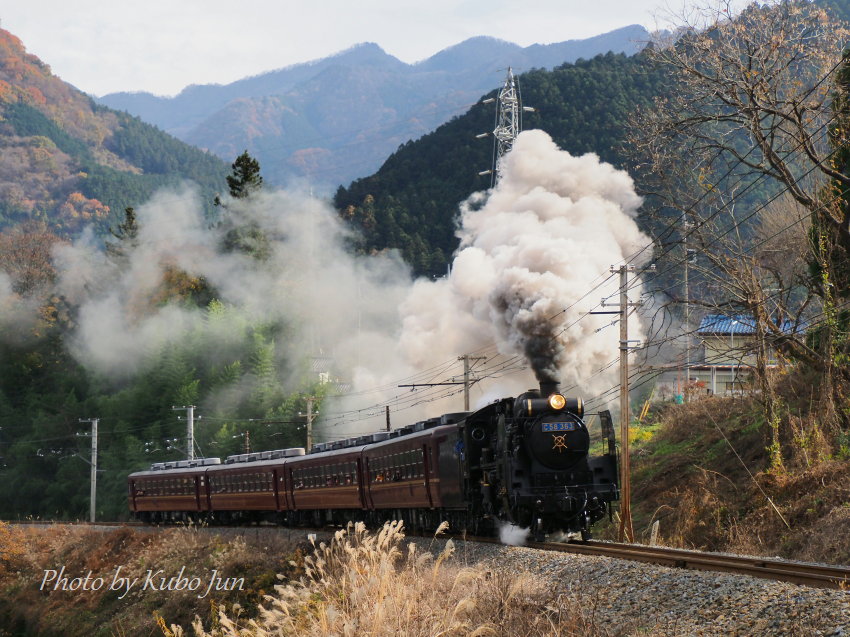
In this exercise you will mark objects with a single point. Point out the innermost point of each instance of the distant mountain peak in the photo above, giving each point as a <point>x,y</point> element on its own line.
<point>356,106</point>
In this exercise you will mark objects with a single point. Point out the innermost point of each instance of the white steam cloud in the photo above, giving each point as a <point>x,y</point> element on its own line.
<point>530,252</point>
<point>307,282</point>
<point>521,284</point>
<point>531,249</point>
<point>513,535</point>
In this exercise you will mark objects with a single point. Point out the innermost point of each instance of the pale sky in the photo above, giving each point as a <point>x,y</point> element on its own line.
<point>161,46</point>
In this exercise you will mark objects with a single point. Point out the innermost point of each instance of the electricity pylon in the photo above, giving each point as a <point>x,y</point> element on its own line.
<point>508,122</point>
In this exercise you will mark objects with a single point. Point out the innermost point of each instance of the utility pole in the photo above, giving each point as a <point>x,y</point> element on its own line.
<point>388,417</point>
<point>466,382</point>
<point>310,416</point>
<point>190,430</point>
<point>93,463</point>
<point>626,531</point>
<point>690,257</point>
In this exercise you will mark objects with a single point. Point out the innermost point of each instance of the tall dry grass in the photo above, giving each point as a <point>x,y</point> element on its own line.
<point>369,584</point>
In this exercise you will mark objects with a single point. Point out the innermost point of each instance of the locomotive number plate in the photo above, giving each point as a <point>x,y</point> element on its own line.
<point>558,426</point>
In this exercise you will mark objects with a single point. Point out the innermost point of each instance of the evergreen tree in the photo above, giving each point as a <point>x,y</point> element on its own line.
<point>245,178</point>
<point>126,234</point>
<point>244,237</point>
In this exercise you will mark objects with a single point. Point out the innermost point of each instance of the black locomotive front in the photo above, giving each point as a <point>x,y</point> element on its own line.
<point>529,459</point>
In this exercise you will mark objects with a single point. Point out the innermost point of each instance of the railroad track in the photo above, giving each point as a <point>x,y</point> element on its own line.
<point>815,575</point>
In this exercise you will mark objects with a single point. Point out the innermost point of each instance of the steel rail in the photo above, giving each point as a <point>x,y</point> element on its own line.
<point>815,575</point>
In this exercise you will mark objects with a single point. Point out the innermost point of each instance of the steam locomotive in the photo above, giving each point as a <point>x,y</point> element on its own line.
<point>522,460</point>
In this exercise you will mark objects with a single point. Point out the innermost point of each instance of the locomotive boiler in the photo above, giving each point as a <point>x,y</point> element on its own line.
<point>523,460</point>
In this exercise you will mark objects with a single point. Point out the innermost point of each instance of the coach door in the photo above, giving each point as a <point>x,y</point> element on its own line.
<point>366,482</point>
<point>362,489</point>
<point>426,462</point>
<point>277,480</point>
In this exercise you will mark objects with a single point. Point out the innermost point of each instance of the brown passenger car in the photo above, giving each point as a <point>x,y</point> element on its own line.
<point>387,477</point>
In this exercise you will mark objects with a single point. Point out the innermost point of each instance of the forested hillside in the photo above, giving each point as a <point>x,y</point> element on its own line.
<point>68,162</point>
<point>412,201</point>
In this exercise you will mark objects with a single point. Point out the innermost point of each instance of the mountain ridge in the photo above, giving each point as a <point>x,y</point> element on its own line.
<point>371,102</point>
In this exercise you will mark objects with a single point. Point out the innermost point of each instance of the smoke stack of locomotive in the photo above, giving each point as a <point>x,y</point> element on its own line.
<point>548,387</point>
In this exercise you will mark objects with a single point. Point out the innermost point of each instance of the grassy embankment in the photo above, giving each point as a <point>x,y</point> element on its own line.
<point>702,469</point>
<point>360,584</point>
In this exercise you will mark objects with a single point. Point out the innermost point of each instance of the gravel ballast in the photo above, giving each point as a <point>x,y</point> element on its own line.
<point>658,600</point>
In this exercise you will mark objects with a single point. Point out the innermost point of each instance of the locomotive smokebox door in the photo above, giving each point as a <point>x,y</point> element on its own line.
<point>558,441</point>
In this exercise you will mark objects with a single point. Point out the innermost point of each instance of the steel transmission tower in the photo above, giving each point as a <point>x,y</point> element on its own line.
<point>508,122</point>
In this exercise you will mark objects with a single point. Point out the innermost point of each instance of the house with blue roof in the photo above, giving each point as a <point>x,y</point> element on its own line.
<point>725,357</point>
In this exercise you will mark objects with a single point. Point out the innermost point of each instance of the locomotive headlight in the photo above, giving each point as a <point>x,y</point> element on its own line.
<point>556,401</point>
